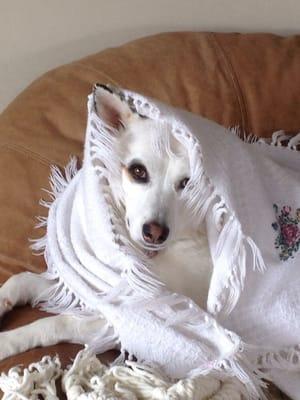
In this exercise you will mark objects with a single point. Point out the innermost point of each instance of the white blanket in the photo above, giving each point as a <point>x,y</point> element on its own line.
<point>249,194</point>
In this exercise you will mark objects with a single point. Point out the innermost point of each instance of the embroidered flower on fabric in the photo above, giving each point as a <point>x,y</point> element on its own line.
<point>288,228</point>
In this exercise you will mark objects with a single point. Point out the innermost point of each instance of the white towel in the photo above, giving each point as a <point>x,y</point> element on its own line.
<point>249,194</point>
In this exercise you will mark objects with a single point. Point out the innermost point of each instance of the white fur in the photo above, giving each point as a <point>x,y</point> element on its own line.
<point>182,262</point>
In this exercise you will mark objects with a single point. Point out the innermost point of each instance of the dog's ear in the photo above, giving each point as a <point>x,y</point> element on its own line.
<point>111,109</point>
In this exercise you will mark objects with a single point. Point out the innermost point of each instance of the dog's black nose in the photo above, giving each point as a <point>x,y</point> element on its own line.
<point>155,233</point>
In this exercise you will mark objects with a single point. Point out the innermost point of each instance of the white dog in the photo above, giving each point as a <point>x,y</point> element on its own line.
<point>156,221</point>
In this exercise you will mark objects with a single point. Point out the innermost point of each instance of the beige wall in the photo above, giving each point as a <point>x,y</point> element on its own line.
<point>37,35</point>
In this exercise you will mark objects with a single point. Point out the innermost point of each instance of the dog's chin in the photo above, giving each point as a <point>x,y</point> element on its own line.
<point>151,253</point>
<point>148,253</point>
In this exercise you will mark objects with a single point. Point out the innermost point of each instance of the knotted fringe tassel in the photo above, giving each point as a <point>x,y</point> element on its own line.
<point>87,378</point>
<point>35,382</point>
<point>281,139</point>
<point>294,142</point>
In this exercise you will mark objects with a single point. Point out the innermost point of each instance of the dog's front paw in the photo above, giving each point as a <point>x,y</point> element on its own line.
<point>5,306</point>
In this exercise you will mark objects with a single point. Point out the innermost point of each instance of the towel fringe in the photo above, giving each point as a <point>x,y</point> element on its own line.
<point>230,256</point>
<point>279,138</point>
<point>60,299</point>
<point>231,259</point>
<point>282,139</point>
<point>246,137</point>
<point>58,182</point>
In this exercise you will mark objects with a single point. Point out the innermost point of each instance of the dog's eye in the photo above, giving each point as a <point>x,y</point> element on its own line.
<point>139,173</point>
<point>183,183</point>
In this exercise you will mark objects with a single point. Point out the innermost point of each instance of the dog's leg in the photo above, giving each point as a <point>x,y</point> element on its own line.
<point>52,330</point>
<point>21,289</point>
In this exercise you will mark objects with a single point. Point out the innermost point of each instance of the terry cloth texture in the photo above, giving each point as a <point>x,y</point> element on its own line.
<point>98,270</point>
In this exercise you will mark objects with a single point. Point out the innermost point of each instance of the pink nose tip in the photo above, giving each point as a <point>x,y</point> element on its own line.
<point>155,233</point>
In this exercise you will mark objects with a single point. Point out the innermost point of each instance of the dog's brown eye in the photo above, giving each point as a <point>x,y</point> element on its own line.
<point>139,173</point>
<point>183,183</point>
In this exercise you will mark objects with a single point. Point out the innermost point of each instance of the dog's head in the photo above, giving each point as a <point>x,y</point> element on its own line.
<point>155,170</point>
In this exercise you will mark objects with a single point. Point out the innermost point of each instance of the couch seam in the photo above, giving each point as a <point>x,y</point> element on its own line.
<point>25,151</point>
<point>234,79</point>
<point>98,72</point>
<point>46,162</point>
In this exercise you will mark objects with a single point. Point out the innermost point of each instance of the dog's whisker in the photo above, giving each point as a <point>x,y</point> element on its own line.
<point>153,247</point>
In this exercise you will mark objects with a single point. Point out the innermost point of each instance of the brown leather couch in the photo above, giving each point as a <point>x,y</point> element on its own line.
<point>250,80</point>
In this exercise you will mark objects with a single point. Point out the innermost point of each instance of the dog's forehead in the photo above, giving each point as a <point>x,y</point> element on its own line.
<point>154,138</point>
